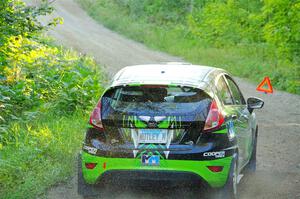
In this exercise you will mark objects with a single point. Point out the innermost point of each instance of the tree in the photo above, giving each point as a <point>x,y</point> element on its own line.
<point>282,26</point>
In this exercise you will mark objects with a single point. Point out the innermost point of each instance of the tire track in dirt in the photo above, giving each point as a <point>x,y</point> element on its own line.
<point>278,170</point>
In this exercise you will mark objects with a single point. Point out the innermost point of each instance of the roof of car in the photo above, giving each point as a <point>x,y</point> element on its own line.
<point>164,74</point>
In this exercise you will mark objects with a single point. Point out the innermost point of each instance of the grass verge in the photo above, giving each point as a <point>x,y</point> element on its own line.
<point>243,60</point>
<point>44,108</point>
<point>46,94</point>
<point>43,154</point>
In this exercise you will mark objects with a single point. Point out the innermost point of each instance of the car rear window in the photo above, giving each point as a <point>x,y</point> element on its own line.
<point>156,99</point>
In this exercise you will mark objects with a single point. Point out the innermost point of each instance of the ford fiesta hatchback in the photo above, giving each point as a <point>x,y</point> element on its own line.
<point>171,123</point>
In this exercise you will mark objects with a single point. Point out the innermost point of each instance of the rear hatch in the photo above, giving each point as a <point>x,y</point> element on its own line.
<point>154,114</point>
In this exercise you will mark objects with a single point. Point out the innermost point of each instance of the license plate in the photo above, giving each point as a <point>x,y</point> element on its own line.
<point>150,160</point>
<point>152,136</point>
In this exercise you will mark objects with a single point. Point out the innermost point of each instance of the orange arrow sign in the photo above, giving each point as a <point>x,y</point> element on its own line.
<point>265,82</point>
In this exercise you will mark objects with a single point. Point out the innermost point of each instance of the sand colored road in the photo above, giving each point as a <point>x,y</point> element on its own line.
<point>278,172</point>
<point>111,50</point>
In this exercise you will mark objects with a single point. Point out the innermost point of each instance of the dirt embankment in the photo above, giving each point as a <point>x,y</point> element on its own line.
<point>278,173</point>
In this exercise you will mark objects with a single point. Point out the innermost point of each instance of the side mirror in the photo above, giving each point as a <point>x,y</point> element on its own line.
<point>254,103</point>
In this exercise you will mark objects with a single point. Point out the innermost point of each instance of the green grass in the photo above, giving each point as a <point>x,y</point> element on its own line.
<point>46,95</point>
<point>44,111</point>
<point>244,60</point>
<point>43,154</point>
<point>41,132</point>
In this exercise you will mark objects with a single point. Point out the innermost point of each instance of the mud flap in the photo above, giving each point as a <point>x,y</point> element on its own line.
<point>251,166</point>
<point>84,189</point>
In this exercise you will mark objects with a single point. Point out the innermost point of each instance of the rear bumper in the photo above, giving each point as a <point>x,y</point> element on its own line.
<point>152,178</point>
<point>169,171</point>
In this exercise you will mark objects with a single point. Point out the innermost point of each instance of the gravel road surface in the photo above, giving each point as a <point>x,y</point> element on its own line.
<point>278,171</point>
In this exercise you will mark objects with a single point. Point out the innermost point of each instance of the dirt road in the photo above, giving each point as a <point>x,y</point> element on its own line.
<point>278,173</point>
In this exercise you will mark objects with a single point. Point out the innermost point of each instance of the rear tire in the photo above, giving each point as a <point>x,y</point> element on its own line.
<point>251,166</point>
<point>230,189</point>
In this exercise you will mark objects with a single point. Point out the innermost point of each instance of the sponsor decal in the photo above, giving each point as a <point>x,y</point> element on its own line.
<point>138,123</point>
<point>152,124</point>
<point>114,141</point>
<point>150,160</point>
<point>90,150</point>
<point>216,154</point>
<point>231,132</point>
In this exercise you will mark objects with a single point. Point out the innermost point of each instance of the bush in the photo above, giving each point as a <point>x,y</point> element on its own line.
<point>282,26</point>
<point>39,77</point>
<point>238,35</point>
<point>17,19</point>
<point>45,94</point>
<point>220,23</point>
<point>159,11</point>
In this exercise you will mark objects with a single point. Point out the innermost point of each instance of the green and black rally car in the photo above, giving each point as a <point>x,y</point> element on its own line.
<point>172,123</point>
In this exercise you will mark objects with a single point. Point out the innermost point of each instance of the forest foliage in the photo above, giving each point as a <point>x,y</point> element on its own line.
<point>36,76</point>
<point>240,36</point>
<point>46,92</point>
<point>228,22</point>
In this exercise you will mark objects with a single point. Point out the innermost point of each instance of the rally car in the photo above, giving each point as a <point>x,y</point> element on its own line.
<point>171,123</point>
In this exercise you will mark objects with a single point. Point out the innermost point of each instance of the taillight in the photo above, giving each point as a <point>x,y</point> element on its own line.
<point>90,165</point>
<point>215,168</point>
<point>95,118</point>
<point>214,118</point>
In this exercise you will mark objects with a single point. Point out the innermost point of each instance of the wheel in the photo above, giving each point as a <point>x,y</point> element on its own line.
<point>87,191</point>
<point>230,189</point>
<point>251,166</point>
